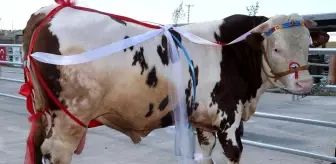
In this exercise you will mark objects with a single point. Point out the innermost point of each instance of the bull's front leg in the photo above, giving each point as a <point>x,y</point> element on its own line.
<point>230,136</point>
<point>207,142</point>
<point>232,146</point>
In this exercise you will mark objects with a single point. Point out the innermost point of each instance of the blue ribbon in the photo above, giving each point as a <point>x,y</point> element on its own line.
<point>294,23</point>
<point>186,54</point>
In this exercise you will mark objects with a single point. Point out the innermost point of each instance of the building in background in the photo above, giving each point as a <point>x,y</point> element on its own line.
<point>10,41</point>
<point>10,36</point>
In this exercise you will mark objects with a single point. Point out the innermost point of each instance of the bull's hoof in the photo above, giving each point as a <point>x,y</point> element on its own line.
<point>203,160</point>
<point>206,161</point>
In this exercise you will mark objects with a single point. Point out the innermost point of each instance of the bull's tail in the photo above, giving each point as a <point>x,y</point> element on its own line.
<point>34,142</point>
<point>38,140</point>
<point>38,121</point>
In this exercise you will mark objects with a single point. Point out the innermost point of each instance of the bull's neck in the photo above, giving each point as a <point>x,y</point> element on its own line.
<point>265,79</point>
<point>265,83</point>
<point>237,61</point>
<point>241,70</point>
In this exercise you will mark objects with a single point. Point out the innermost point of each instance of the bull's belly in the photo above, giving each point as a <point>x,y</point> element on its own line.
<point>121,95</point>
<point>136,107</point>
<point>122,92</point>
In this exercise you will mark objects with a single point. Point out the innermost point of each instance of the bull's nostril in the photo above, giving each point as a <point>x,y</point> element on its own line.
<point>303,85</point>
<point>298,85</point>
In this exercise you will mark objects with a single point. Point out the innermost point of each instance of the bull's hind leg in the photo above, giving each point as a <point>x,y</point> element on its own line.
<point>62,139</point>
<point>207,142</point>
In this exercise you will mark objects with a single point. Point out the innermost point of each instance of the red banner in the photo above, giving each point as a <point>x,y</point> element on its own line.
<point>3,54</point>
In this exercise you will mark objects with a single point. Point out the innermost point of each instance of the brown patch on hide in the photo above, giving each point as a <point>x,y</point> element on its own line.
<point>45,42</point>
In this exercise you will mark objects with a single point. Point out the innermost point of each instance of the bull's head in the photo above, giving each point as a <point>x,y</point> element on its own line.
<point>286,42</point>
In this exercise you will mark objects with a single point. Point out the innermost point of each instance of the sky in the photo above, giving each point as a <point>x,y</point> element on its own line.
<point>15,13</point>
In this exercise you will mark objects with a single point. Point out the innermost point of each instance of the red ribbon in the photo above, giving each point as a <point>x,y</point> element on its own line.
<point>30,147</point>
<point>293,65</point>
<point>26,90</point>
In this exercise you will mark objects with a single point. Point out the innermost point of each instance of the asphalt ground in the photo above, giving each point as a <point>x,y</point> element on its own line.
<point>107,146</point>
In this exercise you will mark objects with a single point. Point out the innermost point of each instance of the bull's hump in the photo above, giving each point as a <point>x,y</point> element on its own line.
<point>240,76</point>
<point>49,43</point>
<point>46,9</point>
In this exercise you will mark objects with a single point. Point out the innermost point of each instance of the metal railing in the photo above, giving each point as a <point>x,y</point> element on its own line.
<point>289,150</point>
<point>312,51</point>
<point>12,65</point>
<point>296,119</point>
<point>257,114</point>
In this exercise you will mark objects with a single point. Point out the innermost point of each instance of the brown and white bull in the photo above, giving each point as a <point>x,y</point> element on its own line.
<point>128,91</point>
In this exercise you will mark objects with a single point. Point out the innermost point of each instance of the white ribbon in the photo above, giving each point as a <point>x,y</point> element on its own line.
<point>123,44</point>
<point>292,75</point>
<point>174,56</point>
<point>95,53</point>
<point>199,40</point>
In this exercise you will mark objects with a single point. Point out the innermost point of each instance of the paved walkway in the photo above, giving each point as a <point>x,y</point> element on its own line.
<point>106,146</point>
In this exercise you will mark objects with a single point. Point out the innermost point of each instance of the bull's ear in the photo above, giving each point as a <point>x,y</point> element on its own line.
<point>255,40</point>
<point>319,38</point>
<point>309,23</point>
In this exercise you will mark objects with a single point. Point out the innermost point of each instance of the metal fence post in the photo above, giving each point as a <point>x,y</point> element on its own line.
<point>295,97</point>
<point>335,156</point>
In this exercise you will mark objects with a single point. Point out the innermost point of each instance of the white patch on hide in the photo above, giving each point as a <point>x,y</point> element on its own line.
<point>220,117</point>
<point>231,131</point>
<point>251,105</point>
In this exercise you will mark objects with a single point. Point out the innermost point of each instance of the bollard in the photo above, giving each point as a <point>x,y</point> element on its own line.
<point>335,156</point>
